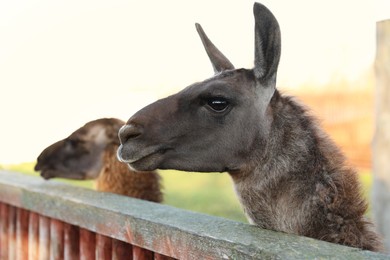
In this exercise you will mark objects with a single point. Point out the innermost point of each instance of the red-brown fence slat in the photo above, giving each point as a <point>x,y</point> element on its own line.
<point>56,239</point>
<point>142,254</point>
<point>4,231</point>
<point>33,236</point>
<point>22,216</point>
<point>162,257</point>
<point>44,238</point>
<point>12,232</point>
<point>71,242</point>
<point>121,250</point>
<point>103,247</point>
<point>87,244</point>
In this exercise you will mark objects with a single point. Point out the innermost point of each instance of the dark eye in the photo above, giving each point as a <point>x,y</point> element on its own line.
<point>218,104</point>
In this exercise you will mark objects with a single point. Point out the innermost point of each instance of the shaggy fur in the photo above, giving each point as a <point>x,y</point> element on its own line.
<point>116,177</point>
<point>301,183</point>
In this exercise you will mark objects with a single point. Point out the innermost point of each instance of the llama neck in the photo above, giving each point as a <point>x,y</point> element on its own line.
<point>116,177</point>
<point>301,185</point>
<point>271,187</point>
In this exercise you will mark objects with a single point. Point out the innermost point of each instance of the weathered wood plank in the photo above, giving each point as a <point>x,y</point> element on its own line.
<point>71,242</point>
<point>162,257</point>
<point>56,239</point>
<point>121,250</point>
<point>142,254</point>
<point>22,216</point>
<point>44,238</point>
<point>87,244</point>
<point>162,229</point>
<point>103,247</point>
<point>4,230</point>
<point>11,232</point>
<point>33,236</point>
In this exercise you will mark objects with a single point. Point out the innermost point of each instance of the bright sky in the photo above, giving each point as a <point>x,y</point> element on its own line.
<point>63,63</point>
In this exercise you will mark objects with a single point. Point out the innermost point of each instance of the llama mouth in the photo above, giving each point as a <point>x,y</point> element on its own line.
<point>144,161</point>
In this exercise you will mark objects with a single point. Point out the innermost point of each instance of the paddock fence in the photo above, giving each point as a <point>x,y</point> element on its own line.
<point>50,220</point>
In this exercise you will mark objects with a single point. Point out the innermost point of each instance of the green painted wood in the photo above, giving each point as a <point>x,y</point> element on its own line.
<point>163,229</point>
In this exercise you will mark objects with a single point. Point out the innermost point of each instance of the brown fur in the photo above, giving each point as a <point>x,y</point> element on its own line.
<point>116,177</point>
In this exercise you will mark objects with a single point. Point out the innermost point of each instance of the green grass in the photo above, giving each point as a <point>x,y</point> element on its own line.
<point>366,181</point>
<point>210,193</point>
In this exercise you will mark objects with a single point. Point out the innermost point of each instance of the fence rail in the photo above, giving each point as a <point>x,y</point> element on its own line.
<point>51,220</point>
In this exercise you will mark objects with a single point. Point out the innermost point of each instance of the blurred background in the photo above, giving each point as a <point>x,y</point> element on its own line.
<point>63,63</point>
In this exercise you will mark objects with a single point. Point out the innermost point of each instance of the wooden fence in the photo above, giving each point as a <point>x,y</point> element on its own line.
<point>51,220</point>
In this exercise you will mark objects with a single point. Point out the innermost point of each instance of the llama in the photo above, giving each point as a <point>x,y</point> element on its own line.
<point>288,175</point>
<point>90,153</point>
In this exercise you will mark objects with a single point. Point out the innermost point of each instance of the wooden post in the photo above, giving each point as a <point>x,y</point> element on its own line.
<point>381,142</point>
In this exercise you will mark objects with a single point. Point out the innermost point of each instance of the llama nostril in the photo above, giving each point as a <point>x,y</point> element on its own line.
<point>128,132</point>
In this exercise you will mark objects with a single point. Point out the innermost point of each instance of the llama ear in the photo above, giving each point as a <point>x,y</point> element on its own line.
<point>267,43</point>
<point>218,60</point>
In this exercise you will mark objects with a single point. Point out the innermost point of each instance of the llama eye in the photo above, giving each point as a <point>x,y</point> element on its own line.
<point>218,104</point>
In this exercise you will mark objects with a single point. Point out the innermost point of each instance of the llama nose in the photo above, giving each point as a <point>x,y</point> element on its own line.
<point>128,132</point>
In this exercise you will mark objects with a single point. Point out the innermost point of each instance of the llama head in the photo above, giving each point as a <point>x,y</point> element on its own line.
<point>214,125</point>
<point>79,156</point>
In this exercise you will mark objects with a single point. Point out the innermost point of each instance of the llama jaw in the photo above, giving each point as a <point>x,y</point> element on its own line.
<point>48,174</point>
<point>146,160</point>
